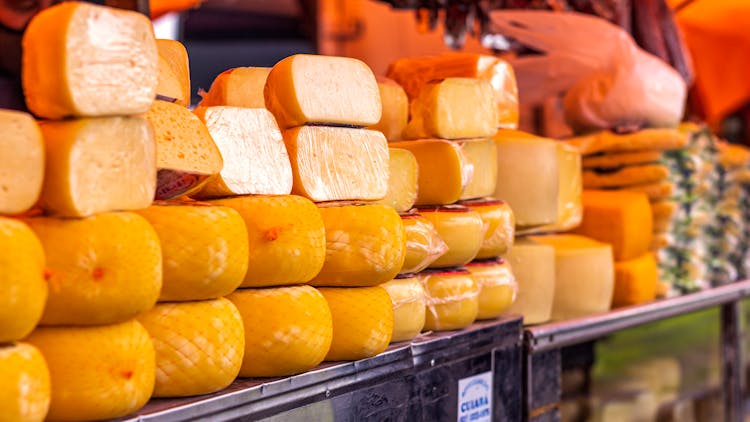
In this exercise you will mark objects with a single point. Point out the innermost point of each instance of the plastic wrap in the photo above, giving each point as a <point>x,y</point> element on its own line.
<point>321,174</point>
<point>395,109</point>
<point>423,243</point>
<point>174,72</point>
<point>461,228</point>
<point>238,87</point>
<point>481,155</point>
<point>22,150</point>
<point>408,298</point>
<point>499,226</point>
<point>451,298</point>
<point>497,286</point>
<point>635,281</point>
<point>402,180</point>
<point>534,268</point>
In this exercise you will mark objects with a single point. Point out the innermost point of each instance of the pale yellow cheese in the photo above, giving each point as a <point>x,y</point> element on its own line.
<point>238,87</point>
<point>408,298</point>
<point>286,237</point>
<point>101,270</point>
<point>288,330</point>
<point>451,299</point>
<point>199,346</point>
<point>307,88</point>
<point>96,165</point>
<point>174,72</point>
<point>461,228</point>
<point>22,280</point>
<point>499,223</point>
<point>362,321</point>
<point>395,109</point>
<point>403,172</point>
<point>533,265</point>
<point>97,373</point>
<point>584,275</point>
<point>497,286</point>
<point>255,159</point>
<point>481,155</point>
<point>454,108</point>
<point>204,250</point>
<point>22,172</point>
<point>336,163</point>
<point>80,59</point>
<point>24,383</point>
<point>423,243</point>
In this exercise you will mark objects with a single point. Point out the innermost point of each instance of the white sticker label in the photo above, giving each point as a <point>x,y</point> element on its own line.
<point>475,398</point>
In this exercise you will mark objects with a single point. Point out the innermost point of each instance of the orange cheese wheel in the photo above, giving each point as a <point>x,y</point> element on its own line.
<point>451,297</point>
<point>24,384</point>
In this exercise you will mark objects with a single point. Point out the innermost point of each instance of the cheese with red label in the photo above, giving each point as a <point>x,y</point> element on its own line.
<point>451,299</point>
<point>174,72</point>
<point>238,87</point>
<point>499,224</point>
<point>497,286</point>
<point>22,172</point>
<point>461,228</point>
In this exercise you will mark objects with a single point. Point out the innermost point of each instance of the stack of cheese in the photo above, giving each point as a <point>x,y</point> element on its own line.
<point>104,264</point>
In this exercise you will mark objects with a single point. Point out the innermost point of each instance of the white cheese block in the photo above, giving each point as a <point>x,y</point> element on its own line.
<point>533,265</point>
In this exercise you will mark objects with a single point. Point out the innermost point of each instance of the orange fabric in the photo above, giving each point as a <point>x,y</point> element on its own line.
<point>162,7</point>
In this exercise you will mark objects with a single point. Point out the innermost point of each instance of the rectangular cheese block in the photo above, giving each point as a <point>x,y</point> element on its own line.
<point>635,281</point>
<point>620,218</point>
<point>625,176</point>
<point>646,139</point>
<point>395,109</point>
<point>337,163</point>
<point>533,265</point>
<point>238,87</point>
<point>255,159</point>
<point>81,59</point>
<point>307,88</point>
<point>22,172</point>
<point>481,155</point>
<point>444,171</point>
<point>96,165</point>
<point>174,72</point>
<point>454,108</point>
<point>402,180</point>
<point>528,177</point>
<point>584,275</point>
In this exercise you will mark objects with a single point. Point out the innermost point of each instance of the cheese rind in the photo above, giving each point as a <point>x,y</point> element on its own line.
<point>81,60</point>
<point>461,229</point>
<point>98,165</point>
<point>451,299</point>
<point>403,172</point>
<point>22,172</point>
<point>423,243</point>
<point>481,155</point>
<point>25,391</point>
<point>255,159</point>
<point>238,87</point>
<point>321,174</point>
<point>395,112</point>
<point>499,224</point>
<point>534,267</point>
<point>408,298</point>
<point>174,71</point>
<point>497,286</point>
<point>636,281</point>
<point>307,88</point>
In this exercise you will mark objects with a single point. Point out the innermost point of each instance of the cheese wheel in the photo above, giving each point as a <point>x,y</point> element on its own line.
<point>362,321</point>
<point>636,281</point>
<point>451,299</point>
<point>81,59</point>
<point>407,297</point>
<point>307,88</point>
<point>533,265</point>
<point>497,286</point>
<point>22,172</point>
<point>101,270</point>
<point>204,250</point>
<point>174,72</point>
<point>255,159</point>
<point>365,246</point>
<point>481,155</point>
<point>186,154</point>
<point>454,108</point>
<point>423,243</point>
<point>286,237</point>
<point>97,373</point>
<point>199,346</point>
<point>395,111</point>
<point>288,330</point>
<point>238,87</point>
<point>461,229</point>
<point>499,223</point>
<point>22,280</point>
<point>321,175</point>
<point>24,385</point>
<point>403,171</point>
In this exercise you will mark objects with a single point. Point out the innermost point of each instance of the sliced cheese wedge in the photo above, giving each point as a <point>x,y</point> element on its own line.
<point>499,224</point>
<point>408,298</point>
<point>403,172</point>
<point>22,172</point>
<point>238,87</point>
<point>461,229</point>
<point>25,395</point>
<point>423,243</point>
<point>636,281</point>
<point>174,72</point>
<point>395,109</point>
<point>533,265</point>
<point>451,298</point>
<point>497,286</point>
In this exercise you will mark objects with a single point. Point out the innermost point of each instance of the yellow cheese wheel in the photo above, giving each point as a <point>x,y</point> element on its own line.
<point>288,330</point>
<point>451,299</point>
<point>499,223</point>
<point>362,321</point>
<point>395,109</point>
<point>533,265</point>
<point>238,87</point>
<point>101,270</point>
<point>199,346</point>
<point>497,286</point>
<point>204,250</point>
<point>24,384</point>
<point>24,290</point>
<point>22,172</point>
<point>286,237</point>
<point>365,245</point>
<point>407,296</point>
<point>97,372</point>
<point>423,243</point>
<point>174,71</point>
<point>462,230</point>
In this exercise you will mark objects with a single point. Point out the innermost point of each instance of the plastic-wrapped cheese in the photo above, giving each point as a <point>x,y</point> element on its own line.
<point>204,250</point>
<point>186,154</point>
<point>402,180</point>
<point>286,237</point>
<point>454,108</point>
<point>497,286</point>
<point>307,88</point>
<point>584,275</point>
<point>288,330</point>
<point>636,281</point>
<point>255,159</point>
<point>451,299</point>
<point>24,385</point>
<point>481,155</point>
<point>533,265</point>
<point>199,346</point>
<point>362,321</point>
<point>22,172</point>
<point>174,72</point>
<point>395,109</point>
<point>97,165</point>
<point>101,270</point>
<point>22,277</point>
<point>321,174</point>
<point>461,229</point>
<point>407,296</point>
<point>238,87</point>
<point>423,243</point>
<point>80,59</point>
<point>499,223</point>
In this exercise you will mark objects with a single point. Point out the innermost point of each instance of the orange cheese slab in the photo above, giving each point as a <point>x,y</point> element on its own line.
<point>174,72</point>
<point>238,87</point>
<point>636,281</point>
<point>22,172</point>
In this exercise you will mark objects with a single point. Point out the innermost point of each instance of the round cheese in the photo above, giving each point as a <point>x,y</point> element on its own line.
<point>499,223</point>
<point>462,230</point>
<point>423,243</point>
<point>451,298</point>
<point>238,87</point>
<point>497,286</point>
<point>407,296</point>
<point>24,383</point>
<point>534,267</point>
